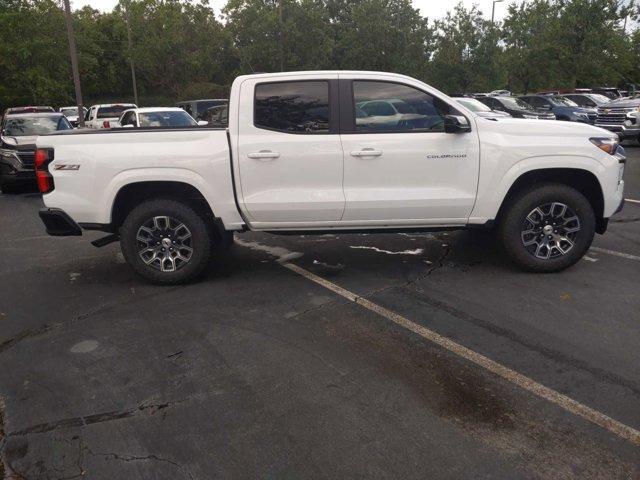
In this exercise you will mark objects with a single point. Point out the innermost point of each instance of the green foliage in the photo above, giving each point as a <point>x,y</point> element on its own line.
<point>181,50</point>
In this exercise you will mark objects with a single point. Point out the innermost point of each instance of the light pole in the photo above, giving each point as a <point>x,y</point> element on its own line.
<point>493,9</point>
<point>133,68</point>
<point>74,62</point>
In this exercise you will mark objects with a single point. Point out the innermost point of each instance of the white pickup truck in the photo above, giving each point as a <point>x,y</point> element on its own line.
<point>301,155</point>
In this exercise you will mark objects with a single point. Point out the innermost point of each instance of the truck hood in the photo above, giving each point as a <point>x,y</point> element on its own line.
<point>622,103</point>
<point>543,128</point>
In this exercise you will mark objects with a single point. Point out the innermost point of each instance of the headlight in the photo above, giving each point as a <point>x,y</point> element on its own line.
<point>605,144</point>
<point>534,117</point>
<point>581,115</point>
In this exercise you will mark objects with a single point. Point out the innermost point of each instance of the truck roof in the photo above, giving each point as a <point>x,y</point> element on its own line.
<point>323,72</point>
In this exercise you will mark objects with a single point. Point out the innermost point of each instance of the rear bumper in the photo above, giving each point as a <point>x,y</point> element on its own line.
<point>58,223</point>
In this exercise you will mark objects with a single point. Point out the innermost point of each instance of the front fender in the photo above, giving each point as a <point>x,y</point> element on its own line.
<point>493,189</point>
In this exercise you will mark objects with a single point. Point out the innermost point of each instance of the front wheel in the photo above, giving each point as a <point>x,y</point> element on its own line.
<point>547,228</point>
<point>166,241</point>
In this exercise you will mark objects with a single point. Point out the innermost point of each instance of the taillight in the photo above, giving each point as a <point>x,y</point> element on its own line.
<point>105,124</point>
<point>42,160</point>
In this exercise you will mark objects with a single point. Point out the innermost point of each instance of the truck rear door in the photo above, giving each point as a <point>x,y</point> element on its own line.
<point>290,156</point>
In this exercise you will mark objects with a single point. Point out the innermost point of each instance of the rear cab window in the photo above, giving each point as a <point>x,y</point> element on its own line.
<point>300,107</point>
<point>113,111</point>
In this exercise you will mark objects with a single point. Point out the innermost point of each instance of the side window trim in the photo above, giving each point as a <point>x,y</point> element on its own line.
<point>334,106</point>
<point>348,107</point>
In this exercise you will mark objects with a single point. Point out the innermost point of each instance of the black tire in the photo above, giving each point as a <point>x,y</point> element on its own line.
<point>199,241</point>
<point>514,223</point>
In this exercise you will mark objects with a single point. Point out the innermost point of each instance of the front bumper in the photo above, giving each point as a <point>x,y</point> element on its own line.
<point>58,223</point>
<point>623,131</point>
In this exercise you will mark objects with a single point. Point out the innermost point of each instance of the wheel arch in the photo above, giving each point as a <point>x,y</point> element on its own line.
<point>132,194</point>
<point>581,179</point>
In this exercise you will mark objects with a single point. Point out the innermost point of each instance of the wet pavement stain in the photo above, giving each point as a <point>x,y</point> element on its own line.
<point>484,406</point>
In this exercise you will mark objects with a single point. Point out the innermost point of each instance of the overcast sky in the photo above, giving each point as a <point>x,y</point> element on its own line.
<point>428,8</point>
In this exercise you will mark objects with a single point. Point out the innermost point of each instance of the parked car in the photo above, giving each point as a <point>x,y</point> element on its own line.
<point>500,93</point>
<point>72,114</point>
<point>587,100</point>
<point>561,107</point>
<point>480,108</point>
<point>621,116</point>
<point>610,92</point>
<point>291,161</point>
<point>198,108</point>
<point>151,117</point>
<point>18,145</point>
<point>28,109</point>
<point>516,108</point>
<point>218,116</point>
<point>106,115</point>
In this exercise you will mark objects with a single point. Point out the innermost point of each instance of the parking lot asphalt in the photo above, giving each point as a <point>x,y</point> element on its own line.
<point>257,371</point>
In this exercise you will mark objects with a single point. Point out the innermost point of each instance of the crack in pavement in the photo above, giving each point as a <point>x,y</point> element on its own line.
<point>103,307</point>
<point>136,458</point>
<point>85,420</point>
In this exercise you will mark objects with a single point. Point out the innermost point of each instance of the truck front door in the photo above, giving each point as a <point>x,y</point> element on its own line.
<point>290,158</point>
<point>403,169</point>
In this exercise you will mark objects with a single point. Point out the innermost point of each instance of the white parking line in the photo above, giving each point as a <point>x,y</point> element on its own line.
<point>567,403</point>
<point>628,256</point>
<point>631,200</point>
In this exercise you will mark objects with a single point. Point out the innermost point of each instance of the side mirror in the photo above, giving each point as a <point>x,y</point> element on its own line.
<point>202,123</point>
<point>128,125</point>
<point>456,124</point>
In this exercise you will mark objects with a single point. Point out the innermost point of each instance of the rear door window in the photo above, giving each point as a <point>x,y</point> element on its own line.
<point>292,107</point>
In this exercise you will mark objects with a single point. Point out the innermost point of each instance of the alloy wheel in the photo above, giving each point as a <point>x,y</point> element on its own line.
<point>549,230</point>
<point>164,243</point>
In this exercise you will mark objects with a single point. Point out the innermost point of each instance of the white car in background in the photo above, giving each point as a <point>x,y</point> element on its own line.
<point>106,115</point>
<point>157,117</point>
<point>71,113</point>
<point>500,93</point>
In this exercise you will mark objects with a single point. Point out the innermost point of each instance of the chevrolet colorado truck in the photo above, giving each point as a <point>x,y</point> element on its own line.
<point>301,155</point>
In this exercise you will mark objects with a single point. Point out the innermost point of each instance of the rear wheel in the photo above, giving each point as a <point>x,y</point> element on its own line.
<point>547,228</point>
<point>166,241</point>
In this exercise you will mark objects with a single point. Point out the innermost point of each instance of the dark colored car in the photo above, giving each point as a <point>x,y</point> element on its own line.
<point>516,108</point>
<point>18,145</point>
<point>198,108</point>
<point>587,100</point>
<point>561,107</point>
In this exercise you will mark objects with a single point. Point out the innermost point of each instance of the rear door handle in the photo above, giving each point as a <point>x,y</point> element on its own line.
<point>263,154</point>
<point>366,152</point>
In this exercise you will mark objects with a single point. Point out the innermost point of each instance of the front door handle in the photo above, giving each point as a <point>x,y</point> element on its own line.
<point>366,152</point>
<point>263,154</point>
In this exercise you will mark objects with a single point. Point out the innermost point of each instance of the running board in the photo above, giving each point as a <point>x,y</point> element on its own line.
<point>101,242</point>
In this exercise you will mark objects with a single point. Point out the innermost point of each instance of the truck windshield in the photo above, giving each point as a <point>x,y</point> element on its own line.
<point>473,104</point>
<point>21,126</point>
<point>564,101</point>
<point>515,103</point>
<point>113,111</point>
<point>166,119</point>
